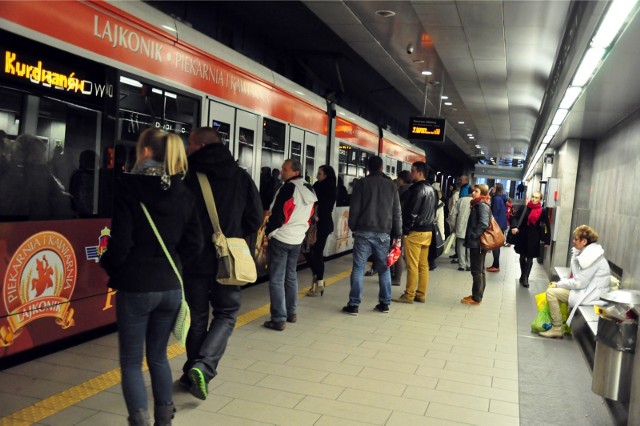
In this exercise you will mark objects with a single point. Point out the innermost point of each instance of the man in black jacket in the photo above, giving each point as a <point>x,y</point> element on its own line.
<point>418,217</point>
<point>240,214</point>
<point>374,219</point>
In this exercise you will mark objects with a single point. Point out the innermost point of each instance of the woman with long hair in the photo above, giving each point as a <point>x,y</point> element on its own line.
<point>149,290</point>
<point>533,230</point>
<point>499,212</point>
<point>325,189</point>
<point>479,219</point>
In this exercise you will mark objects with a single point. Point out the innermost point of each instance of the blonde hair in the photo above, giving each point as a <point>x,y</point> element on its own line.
<point>586,232</point>
<point>484,189</point>
<point>175,159</point>
<point>166,148</point>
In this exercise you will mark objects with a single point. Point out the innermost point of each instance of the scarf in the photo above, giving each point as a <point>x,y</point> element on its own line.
<point>482,198</point>
<point>535,210</point>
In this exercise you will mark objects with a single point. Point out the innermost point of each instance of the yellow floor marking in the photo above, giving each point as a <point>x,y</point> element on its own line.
<point>56,403</point>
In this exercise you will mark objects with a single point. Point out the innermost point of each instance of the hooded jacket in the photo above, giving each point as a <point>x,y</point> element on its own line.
<point>291,211</point>
<point>237,201</point>
<point>590,277</point>
<point>135,260</point>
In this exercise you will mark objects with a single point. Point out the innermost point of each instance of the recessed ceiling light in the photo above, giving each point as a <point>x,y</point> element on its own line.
<point>418,61</point>
<point>460,122</point>
<point>471,137</point>
<point>478,146</point>
<point>469,134</point>
<point>445,97</point>
<point>385,13</point>
<point>426,73</point>
<point>448,103</point>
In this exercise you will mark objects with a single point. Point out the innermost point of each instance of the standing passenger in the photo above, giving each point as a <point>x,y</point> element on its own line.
<point>459,218</point>
<point>418,217</point>
<point>325,189</point>
<point>374,219</point>
<point>534,229</point>
<point>290,215</point>
<point>149,292</point>
<point>240,215</point>
<point>404,183</point>
<point>499,211</point>
<point>440,224</point>
<point>478,223</point>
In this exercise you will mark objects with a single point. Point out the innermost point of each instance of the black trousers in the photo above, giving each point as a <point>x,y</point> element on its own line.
<point>315,257</point>
<point>206,343</point>
<point>477,256</point>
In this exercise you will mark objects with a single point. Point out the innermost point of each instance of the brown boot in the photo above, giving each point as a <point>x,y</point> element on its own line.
<point>554,332</point>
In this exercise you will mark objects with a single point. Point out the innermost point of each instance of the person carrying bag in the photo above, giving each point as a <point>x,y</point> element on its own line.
<point>235,263</point>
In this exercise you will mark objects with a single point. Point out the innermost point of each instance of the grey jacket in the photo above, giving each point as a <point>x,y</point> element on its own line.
<point>478,223</point>
<point>375,206</point>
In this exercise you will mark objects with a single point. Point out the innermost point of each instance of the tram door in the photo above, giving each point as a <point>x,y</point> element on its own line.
<point>303,148</point>
<point>239,131</point>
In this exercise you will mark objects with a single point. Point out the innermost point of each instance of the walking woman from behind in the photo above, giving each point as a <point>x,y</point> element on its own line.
<point>149,291</point>
<point>478,223</point>
<point>325,189</point>
<point>499,211</point>
<point>533,230</point>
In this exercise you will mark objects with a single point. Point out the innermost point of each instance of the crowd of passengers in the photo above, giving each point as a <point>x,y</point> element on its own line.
<point>150,258</point>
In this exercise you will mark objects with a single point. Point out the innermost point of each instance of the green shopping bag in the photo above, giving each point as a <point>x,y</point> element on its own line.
<point>542,322</point>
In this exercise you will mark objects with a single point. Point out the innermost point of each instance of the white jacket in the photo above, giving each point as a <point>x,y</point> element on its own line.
<point>291,210</point>
<point>590,277</point>
<point>460,216</point>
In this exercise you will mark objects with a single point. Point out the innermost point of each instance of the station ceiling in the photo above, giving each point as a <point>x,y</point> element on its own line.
<point>504,65</point>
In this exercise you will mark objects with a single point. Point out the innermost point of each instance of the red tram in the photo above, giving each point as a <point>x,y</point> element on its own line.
<point>79,82</point>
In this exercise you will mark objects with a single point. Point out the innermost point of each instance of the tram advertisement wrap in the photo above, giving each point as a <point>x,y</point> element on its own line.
<point>52,285</point>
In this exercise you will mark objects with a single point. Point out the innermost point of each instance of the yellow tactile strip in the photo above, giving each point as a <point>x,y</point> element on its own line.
<point>56,403</point>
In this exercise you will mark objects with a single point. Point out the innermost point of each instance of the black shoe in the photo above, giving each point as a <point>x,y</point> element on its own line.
<point>395,283</point>
<point>453,256</point>
<point>198,384</point>
<point>350,309</point>
<point>185,382</point>
<point>370,273</point>
<point>382,307</point>
<point>467,269</point>
<point>454,261</point>
<point>275,325</point>
<point>431,268</point>
<point>292,318</point>
<point>460,269</point>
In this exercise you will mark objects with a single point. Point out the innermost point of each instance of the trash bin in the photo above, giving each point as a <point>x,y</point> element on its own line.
<point>615,349</point>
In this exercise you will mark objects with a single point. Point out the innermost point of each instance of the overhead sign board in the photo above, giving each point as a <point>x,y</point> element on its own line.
<point>426,129</point>
<point>498,172</point>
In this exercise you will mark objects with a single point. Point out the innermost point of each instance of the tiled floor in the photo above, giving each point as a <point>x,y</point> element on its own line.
<point>438,363</point>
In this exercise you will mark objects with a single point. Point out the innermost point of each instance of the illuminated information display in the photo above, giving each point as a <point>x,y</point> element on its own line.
<point>426,129</point>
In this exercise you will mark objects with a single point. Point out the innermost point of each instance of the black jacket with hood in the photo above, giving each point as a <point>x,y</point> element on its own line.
<point>135,260</point>
<point>237,200</point>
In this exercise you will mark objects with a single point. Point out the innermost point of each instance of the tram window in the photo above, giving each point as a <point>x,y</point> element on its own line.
<point>273,136</point>
<point>223,130</point>
<point>245,155</point>
<point>343,156</point>
<point>49,170</point>
<point>309,167</point>
<point>296,151</point>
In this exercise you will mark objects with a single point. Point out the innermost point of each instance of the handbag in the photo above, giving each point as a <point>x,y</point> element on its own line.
<point>511,238</point>
<point>493,237</point>
<point>310,238</point>
<point>183,319</point>
<point>437,242</point>
<point>235,263</point>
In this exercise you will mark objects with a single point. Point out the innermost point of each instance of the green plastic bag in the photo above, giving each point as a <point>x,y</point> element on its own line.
<point>543,319</point>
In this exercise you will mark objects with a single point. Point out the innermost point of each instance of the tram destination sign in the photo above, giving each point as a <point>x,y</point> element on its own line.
<point>426,129</point>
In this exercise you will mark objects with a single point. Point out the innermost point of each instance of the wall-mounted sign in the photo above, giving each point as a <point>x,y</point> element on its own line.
<point>426,129</point>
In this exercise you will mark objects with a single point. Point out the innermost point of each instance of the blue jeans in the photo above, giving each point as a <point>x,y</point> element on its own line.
<point>377,245</point>
<point>283,279</point>
<point>206,343</point>
<point>146,319</point>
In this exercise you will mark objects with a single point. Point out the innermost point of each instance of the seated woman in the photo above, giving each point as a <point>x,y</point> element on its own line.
<point>589,279</point>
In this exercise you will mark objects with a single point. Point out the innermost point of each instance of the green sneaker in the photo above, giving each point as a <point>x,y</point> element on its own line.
<point>198,384</point>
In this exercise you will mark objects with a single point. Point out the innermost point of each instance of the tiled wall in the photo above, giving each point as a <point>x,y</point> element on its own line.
<point>614,196</point>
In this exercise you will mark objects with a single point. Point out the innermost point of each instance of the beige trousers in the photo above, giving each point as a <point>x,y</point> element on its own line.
<point>554,297</point>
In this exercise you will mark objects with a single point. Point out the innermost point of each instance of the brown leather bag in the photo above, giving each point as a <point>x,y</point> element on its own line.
<point>493,237</point>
